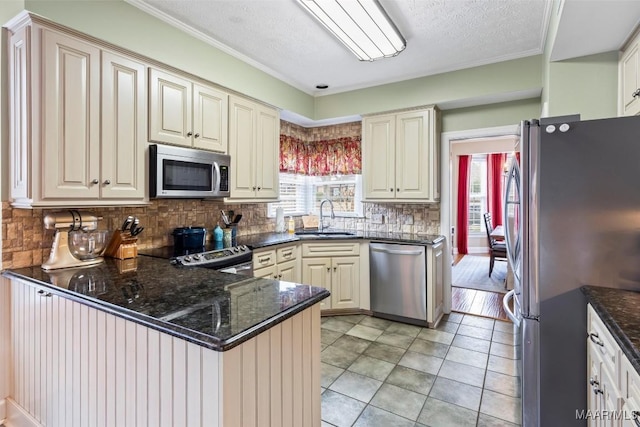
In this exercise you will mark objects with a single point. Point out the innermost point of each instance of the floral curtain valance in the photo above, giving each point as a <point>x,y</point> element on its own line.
<point>341,156</point>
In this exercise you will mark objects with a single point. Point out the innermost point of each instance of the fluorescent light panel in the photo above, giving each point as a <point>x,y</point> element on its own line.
<point>362,25</point>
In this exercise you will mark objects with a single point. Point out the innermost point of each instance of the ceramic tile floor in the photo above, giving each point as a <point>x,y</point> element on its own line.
<point>376,372</point>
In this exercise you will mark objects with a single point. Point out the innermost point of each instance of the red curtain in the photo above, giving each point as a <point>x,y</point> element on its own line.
<point>462,221</point>
<point>340,156</point>
<point>495,179</point>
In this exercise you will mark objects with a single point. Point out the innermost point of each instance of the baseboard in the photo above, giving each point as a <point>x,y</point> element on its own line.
<point>344,312</point>
<point>17,416</point>
<point>478,250</point>
<point>3,409</point>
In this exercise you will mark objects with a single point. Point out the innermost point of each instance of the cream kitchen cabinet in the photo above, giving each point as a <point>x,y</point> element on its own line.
<point>629,79</point>
<point>614,384</point>
<point>435,283</point>
<point>401,156</point>
<point>335,267</point>
<point>254,138</point>
<point>187,113</point>
<point>280,263</point>
<point>77,120</point>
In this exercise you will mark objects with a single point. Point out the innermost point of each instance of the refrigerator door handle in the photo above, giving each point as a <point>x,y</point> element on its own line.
<point>505,304</point>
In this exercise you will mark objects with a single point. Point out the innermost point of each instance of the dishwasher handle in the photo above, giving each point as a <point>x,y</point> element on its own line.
<point>395,251</point>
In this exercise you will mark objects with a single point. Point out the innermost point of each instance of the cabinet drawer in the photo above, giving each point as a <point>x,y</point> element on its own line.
<point>330,249</point>
<point>602,341</point>
<point>286,253</point>
<point>264,259</point>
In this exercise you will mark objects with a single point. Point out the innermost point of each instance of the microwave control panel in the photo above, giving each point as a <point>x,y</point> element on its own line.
<point>224,178</point>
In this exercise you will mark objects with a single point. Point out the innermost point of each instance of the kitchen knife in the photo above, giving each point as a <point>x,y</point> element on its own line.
<point>127,222</point>
<point>137,231</point>
<point>135,224</point>
<point>237,219</point>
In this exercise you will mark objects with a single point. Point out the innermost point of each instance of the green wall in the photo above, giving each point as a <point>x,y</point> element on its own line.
<point>586,85</point>
<point>485,116</point>
<point>473,83</point>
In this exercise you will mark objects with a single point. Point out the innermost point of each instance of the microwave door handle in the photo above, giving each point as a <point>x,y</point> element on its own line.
<point>216,168</point>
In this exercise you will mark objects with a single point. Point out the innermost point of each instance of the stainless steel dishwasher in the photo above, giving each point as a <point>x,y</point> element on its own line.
<point>398,275</point>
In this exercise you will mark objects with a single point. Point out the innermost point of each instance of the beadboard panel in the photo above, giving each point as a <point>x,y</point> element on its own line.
<point>5,345</point>
<point>78,366</point>
<point>279,372</point>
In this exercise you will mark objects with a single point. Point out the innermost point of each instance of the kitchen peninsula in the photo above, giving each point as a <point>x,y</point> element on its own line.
<point>149,343</point>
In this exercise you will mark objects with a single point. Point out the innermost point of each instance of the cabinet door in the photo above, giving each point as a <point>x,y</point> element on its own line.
<point>124,121</point>
<point>345,282</point>
<point>594,397</point>
<point>629,81</point>
<point>210,109</point>
<point>71,102</point>
<point>412,156</point>
<point>317,272</point>
<point>378,157</point>
<point>266,272</point>
<point>242,131</point>
<point>170,115</point>
<point>289,271</point>
<point>267,153</point>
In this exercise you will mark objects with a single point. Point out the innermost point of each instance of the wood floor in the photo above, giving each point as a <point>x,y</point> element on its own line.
<point>480,303</point>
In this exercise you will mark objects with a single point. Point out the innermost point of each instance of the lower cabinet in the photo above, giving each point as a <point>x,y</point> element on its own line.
<point>435,283</point>
<point>613,389</point>
<point>334,266</point>
<point>340,275</point>
<point>281,263</point>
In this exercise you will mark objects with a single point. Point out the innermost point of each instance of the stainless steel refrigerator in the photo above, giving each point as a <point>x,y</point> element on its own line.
<point>572,209</point>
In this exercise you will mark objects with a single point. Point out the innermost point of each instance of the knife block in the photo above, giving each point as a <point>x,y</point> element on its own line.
<point>122,245</point>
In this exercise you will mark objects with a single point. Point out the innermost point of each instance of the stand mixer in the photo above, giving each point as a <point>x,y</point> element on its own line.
<point>64,223</point>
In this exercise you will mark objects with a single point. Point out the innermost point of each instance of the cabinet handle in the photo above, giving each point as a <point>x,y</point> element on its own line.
<point>634,416</point>
<point>636,93</point>
<point>197,135</point>
<point>107,181</point>
<point>596,339</point>
<point>391,189</point>
<point>335,268</point>
<point>189,133</point>
<point>397,190</point>
<point>95,181</point>
<point>44,294</point>
<point>287,254</point>
<point>279,276</point>
<point>264,260</point>
<point>275,276</point>
<point>259,188</point>
<point>597,390</point>
<point>328,269</point>
<point>254,188</point>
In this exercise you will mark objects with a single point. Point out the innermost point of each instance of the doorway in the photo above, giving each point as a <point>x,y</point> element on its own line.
<point>461,294</point>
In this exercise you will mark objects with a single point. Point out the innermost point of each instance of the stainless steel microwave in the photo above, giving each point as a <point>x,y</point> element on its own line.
<point>176,172</point>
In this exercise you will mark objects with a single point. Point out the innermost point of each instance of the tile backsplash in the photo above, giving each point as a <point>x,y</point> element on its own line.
<point>25,241</point>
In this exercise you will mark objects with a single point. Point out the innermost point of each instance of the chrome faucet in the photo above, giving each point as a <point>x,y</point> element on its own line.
<point>333,215</point>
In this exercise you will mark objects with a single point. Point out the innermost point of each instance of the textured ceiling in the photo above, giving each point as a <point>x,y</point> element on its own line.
<point>442,35</point>
<point>280,38</point>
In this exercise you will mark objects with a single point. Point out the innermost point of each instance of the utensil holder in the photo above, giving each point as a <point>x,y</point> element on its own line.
<point>122,246</point>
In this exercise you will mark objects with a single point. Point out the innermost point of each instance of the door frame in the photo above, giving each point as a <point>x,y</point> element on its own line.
<point>446,192</point>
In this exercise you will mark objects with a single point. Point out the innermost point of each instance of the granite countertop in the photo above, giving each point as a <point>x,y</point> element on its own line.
<point>262,240</point>
<point>209,308</point>
<point>619,311</point>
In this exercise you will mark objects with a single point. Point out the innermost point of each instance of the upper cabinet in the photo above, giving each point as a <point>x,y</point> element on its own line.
<point>77,121</point>
<point>254,138</point>
<point>629,79</point>
<point>401,156</point>
<point>187,113</point>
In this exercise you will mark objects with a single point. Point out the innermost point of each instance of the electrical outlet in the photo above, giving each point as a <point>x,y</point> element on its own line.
<point>377,219</point>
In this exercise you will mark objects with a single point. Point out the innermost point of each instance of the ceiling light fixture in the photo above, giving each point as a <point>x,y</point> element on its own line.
<point>362,25</point>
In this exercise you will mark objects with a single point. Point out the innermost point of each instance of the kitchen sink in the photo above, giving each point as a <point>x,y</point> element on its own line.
<point>316,233</point>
